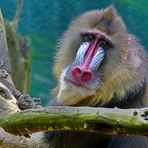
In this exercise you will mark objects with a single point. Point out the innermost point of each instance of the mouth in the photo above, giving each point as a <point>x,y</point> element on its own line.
<point>75,83</point>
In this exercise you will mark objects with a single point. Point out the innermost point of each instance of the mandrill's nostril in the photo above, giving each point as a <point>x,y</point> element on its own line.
<point>78,70</point>
<point>81,73</point>
<point>87,76</point>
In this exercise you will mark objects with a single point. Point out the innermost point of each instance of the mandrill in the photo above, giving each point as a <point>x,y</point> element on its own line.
<point>98,63</point>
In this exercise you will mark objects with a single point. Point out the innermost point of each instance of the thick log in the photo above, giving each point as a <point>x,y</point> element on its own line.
<point>109,121</point>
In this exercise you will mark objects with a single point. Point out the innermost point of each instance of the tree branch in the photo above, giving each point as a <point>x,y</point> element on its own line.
<point>110,121</point>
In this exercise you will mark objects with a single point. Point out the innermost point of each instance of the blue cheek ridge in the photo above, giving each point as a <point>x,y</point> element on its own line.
<point>97,59</point>
<point>81,52</point>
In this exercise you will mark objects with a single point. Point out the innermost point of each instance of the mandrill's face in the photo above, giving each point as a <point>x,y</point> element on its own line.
<point>90,52</point>
<point>81,78</point>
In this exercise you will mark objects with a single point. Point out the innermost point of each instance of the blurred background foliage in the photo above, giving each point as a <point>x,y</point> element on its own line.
<point>43,22</point>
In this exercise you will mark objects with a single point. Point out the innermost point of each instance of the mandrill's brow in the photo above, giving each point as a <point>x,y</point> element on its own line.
<point>97,33</point>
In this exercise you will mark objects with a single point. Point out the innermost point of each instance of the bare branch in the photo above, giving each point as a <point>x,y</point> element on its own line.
<point>18,13</point>
<point>110,121</point>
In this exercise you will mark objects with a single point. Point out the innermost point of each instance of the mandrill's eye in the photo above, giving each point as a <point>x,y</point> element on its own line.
<point>104,44</point>
<point>88,37</point>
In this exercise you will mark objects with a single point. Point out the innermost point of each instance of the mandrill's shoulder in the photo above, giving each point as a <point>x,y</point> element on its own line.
<point>137,55</point>
<point>138,60</point>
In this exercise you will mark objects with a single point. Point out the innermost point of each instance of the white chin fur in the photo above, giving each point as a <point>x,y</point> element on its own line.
<point>70,94</point>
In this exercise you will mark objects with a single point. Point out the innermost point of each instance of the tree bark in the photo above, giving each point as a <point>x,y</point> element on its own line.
<point>103,120</point>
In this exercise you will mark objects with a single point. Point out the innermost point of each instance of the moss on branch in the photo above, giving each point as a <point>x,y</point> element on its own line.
<point>110,121</point>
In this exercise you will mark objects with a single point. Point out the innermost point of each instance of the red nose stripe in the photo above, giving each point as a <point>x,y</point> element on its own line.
<point>89,54</point>
<point>82,73</point>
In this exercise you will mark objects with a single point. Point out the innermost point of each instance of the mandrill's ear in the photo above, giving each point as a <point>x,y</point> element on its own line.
<point>109,14</point>
<point>110,21</point>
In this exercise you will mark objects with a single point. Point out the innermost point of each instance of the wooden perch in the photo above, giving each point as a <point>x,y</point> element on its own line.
<point>110,121</point>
